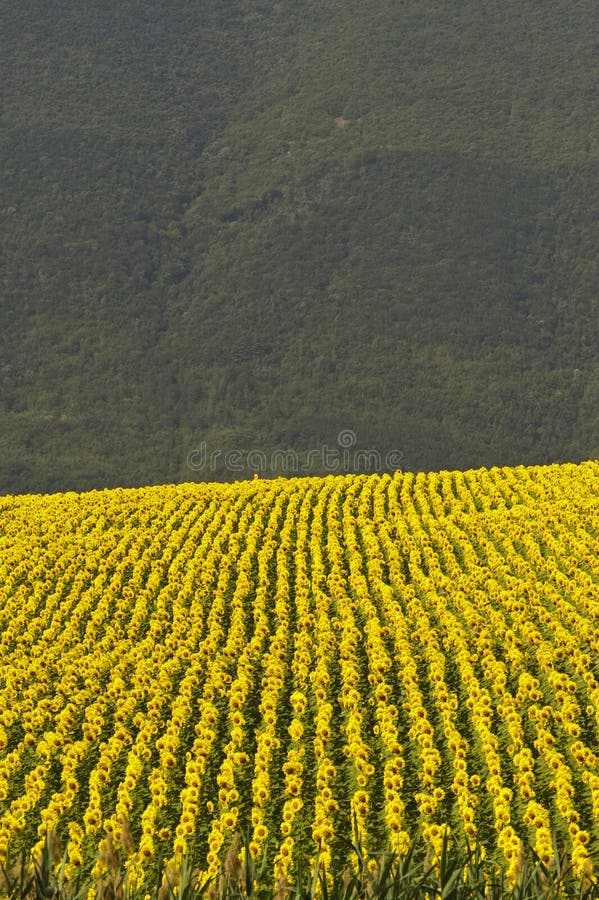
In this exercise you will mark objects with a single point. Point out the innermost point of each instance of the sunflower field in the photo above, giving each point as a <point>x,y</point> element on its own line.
<point>304,662</point>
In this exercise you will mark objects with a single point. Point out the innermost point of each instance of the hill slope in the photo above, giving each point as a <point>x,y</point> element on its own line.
<point>255,225</point>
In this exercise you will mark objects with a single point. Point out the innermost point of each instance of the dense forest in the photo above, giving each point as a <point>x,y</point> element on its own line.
<point>252,225</point>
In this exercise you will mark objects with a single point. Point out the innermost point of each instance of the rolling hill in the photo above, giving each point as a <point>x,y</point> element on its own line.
<point>253,226</point>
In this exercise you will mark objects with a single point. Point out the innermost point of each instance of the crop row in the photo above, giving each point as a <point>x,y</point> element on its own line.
<point>302,661</point>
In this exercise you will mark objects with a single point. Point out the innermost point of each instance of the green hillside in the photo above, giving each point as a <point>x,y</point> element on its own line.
<point>246,225</point>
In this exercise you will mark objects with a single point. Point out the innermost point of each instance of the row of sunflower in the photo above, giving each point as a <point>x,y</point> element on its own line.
<point>304,661</point>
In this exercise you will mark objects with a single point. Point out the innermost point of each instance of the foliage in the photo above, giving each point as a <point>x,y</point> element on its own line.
<point>459,873</point>
<point>257,224</point>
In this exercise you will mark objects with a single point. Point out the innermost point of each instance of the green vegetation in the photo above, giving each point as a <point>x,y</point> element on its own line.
<point>457,874</point>
<point>255,224</point>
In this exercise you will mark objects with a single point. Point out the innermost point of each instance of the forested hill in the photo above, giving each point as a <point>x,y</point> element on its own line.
<point>250,224</point>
